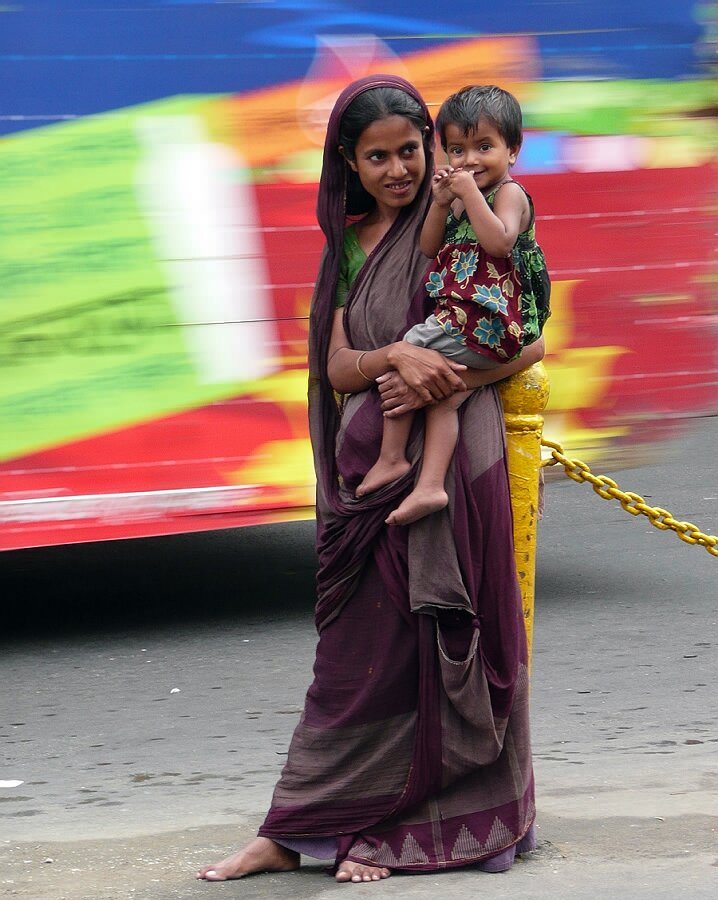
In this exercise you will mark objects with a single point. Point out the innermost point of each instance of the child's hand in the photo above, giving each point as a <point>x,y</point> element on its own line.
<point>441,190</point>
<point>462,183</point>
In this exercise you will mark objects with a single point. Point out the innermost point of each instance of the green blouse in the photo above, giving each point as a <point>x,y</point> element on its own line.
<point>353,258</point>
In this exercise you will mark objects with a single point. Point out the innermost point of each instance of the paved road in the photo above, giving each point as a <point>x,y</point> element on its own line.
<point>149,690</point>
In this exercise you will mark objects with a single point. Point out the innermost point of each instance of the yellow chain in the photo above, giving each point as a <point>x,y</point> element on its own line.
<point>633,503</point>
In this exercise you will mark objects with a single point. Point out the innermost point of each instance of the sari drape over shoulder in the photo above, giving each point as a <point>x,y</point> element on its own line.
<point>413,748</point>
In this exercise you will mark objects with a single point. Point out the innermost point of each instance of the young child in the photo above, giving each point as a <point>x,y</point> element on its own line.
<point>489,280</point>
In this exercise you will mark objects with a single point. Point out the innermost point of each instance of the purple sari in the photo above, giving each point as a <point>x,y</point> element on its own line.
<point>413,749</point>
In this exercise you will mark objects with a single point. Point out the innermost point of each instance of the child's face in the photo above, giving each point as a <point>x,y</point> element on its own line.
<point>483,152</point>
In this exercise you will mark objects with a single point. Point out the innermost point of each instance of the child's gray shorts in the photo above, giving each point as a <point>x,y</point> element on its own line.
<point>431,335</point>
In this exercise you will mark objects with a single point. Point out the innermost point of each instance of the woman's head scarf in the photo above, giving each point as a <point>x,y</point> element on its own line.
<point>387,297</point>
<point>331,208</point>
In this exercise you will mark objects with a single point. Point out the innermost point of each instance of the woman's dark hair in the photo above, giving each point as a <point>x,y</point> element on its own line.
<point>466,107</point>
<point>369,107</point>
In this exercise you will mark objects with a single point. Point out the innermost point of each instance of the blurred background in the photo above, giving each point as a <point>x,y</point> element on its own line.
<point>159,162</point>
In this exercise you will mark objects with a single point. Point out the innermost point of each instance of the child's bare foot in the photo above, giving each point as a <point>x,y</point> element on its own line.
<point>382,473</point>
<point>418,504</point>
<point>356,872</point>
<point>261,855</point>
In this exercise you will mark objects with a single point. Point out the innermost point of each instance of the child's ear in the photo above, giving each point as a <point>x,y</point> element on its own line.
<point>513,154</point>
<point>351,163</point>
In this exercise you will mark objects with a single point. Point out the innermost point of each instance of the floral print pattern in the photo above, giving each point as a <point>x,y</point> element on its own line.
<point>491,297</point>
<point>490,332</point>
<point>435,284</point>
<point>455,332</point>
<point>464,266</point>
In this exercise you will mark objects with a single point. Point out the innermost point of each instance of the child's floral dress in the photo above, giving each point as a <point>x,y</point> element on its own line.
<point>492,305</point>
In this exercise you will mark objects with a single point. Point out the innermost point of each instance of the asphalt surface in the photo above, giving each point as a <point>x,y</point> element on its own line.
<point>148,691</point>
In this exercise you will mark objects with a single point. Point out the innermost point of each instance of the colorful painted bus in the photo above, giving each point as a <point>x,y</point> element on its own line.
<point>158,169</point>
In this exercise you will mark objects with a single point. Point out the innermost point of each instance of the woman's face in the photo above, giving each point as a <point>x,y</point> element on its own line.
<point>390,162</point>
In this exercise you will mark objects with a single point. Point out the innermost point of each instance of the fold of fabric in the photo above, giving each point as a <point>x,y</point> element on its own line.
<point>413,748</point>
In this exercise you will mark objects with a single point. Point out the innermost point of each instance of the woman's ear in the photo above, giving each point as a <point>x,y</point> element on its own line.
<point>429,139</point>
<point>350,162</point>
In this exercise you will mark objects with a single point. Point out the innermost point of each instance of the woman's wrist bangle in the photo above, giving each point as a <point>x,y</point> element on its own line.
<point>359,369</point>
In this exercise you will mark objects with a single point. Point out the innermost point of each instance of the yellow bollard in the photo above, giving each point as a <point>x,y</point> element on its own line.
<point>524,397</point>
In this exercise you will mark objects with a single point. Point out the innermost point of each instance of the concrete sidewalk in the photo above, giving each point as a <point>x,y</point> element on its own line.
<point>611,856</point>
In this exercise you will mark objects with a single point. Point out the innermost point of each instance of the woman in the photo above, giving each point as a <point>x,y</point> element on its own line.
<point>412,752</point>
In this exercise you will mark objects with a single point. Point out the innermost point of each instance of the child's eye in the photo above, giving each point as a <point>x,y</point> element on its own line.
<point>485,147</point>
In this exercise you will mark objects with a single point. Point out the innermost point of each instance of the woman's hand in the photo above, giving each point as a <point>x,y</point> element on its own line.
<point>396,396</point>
<point>428,373</point>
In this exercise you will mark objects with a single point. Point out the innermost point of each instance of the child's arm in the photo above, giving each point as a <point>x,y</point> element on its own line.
<point>434,228</point>
<point>497,229</point>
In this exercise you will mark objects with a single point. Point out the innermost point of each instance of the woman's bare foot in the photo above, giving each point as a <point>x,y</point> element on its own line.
<point>262,855</point>
<point>356,872</point>
<point>418,504</point>
<point>383,472</point>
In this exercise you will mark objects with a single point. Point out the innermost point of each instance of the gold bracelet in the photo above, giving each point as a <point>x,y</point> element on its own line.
<point>359,359</point>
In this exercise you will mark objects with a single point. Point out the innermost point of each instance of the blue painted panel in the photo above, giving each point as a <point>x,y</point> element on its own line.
<point>74,57</point>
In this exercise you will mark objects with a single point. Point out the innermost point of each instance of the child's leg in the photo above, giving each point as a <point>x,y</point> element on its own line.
<point>442,432</point>
<point>392,462</point>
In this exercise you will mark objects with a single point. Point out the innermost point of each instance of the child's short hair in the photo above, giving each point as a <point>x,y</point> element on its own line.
<point>482,101</point>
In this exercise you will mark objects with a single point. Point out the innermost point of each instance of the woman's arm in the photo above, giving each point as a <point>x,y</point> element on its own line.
<point>475,378</point>
<point>425,371</point>
<point>397,398</point>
